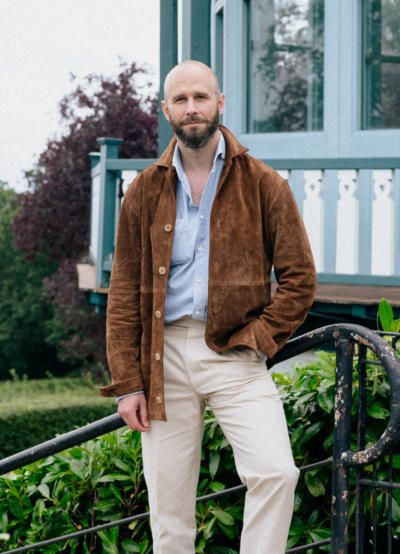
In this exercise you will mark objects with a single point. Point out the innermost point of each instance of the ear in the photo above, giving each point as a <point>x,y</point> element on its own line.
<point>221,103</point>
<point>165,109</point>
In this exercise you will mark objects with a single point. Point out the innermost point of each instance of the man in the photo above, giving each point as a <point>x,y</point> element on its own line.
<point>191,318</point>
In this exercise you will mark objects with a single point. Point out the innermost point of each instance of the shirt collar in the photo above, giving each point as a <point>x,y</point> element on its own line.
<point>219,153</point>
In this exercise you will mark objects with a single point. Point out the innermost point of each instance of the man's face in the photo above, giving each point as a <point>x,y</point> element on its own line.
<point>193,105</point>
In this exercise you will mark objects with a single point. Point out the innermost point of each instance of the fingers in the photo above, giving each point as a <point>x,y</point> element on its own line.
<point>133,410</point>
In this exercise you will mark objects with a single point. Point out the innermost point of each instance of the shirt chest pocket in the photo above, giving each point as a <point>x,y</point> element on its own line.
<point>183,244</point>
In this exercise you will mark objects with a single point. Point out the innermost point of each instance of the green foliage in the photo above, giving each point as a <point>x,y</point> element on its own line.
<point>386,317</point>
<point>44,408</point>
<point>103,481</point>
<point>22,310</point>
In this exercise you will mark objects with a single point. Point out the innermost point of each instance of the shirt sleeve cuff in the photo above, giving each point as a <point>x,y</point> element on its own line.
<point>118,398</point>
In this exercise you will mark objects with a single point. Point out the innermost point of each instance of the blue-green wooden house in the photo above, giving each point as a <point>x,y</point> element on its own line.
<point>313,89</point>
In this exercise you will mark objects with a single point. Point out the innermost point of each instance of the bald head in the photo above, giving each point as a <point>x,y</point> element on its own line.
<point>190,69</point>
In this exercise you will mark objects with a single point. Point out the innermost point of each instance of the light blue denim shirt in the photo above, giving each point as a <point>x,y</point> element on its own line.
<point>187,289</point>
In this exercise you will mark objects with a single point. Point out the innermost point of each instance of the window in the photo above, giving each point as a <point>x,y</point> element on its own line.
<point>381,83</point>
<point>285,65</point>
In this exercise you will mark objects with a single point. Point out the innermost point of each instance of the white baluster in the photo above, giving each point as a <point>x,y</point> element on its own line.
<point>313,214</point>
<point>382,256</point>
<point>347,223</point>
<point>284,173</point>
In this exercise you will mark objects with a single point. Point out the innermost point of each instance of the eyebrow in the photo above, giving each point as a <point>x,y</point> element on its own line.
<point>184,95</point>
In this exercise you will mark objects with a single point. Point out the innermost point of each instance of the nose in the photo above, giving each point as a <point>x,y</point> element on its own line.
<point>191,107</point>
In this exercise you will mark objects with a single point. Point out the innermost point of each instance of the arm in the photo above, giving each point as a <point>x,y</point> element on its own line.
<point>289,249</point>
<point>123,310</point>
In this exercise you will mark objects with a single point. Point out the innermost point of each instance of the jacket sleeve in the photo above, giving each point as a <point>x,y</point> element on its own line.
<point>123,309</point>
<point>294,269</point>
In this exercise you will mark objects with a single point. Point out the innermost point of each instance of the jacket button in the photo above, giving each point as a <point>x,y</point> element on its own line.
<point>157,356</point>
<point>162,270</point>
<point>168,227</point>
<point>158,399</point>
<point>157,313</point>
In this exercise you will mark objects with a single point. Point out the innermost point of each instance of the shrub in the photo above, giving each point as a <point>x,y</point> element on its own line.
<point>37,410</point>
<point>103,481</point>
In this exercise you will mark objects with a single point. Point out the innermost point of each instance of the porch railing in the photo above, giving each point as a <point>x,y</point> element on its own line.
<point>349,207</point>
<point>346,337</point>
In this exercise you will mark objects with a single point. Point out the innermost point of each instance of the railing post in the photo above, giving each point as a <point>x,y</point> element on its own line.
<point>342,428</point>
<point>106,214</point>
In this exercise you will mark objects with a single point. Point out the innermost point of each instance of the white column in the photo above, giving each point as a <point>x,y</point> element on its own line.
<point>382,256</point>
<point>313,214</point>
<point>347,223</point>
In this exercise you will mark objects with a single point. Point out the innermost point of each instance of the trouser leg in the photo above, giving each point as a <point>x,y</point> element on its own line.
<point>251,416</point>
<point>171,455</point>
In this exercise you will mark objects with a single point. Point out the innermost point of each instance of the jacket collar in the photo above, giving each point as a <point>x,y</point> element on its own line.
<point>233,148</point>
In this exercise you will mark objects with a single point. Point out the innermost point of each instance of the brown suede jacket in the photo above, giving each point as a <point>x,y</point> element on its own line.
<point>255,224</point>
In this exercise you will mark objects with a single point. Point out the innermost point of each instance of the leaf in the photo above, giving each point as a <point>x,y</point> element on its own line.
<point>16,508</point>
<point>216,486</point>
<point>44,490</point>
<point>228,530</point>
<point>314,484</point>
<point>326,401</point>
<point>214,463</point>
<point>223,517</point>
<point>312,430</point>
<point>78,467</point>
<point>128,546</point>
<point>377,411</point>
<point>114,477</point>
<point>385,313</point>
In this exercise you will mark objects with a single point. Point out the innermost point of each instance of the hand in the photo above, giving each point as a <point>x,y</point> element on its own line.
<point>133,410</point>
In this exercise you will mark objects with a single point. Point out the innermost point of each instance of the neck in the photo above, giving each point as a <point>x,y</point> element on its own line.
<point>199,159</point>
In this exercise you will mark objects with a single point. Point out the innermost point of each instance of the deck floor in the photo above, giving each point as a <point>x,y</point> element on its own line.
<point>368,295</point>
<point>357,294</point>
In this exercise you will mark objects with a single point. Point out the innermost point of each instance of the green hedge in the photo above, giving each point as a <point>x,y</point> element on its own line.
<point>35,411</point>
<point>102,480</point>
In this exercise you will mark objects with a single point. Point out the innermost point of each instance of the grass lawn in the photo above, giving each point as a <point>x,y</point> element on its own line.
<point>22,396</point>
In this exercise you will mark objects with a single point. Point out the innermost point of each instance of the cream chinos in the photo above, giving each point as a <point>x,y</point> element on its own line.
<point>246,404</point>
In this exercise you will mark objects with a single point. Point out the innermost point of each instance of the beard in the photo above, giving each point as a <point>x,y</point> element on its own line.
<point>193,137</point>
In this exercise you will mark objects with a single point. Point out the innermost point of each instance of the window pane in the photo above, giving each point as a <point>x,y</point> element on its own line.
<point>286,59</point>
<point>381,104</point>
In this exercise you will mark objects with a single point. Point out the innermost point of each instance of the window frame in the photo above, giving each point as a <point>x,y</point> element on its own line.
<point>342,134</point>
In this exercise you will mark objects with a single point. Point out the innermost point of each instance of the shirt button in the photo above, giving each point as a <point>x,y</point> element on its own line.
<point>199,280</point>
<point>158,399</point>
<point>201,216</point>
<point>157,356</point>
<point>162,270</point>
<point>200,249</point>
<point>157,313</point>
<point>197,312</point>
<point>168,227</point>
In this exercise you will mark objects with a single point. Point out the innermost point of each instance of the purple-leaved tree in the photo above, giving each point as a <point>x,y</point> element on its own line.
<point>54,217</point>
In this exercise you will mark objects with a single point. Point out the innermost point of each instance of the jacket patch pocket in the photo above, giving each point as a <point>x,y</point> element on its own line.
<point>183,244</point>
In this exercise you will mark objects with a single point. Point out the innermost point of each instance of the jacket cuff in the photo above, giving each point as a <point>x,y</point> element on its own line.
<point>123,387</point>
<point>263,339</point>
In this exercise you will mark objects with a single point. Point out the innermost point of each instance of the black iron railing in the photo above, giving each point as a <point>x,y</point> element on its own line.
<point>345,336</point>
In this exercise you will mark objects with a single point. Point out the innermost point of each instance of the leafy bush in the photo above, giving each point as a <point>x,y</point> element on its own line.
<point>103,481</point>
<point>44,408</point>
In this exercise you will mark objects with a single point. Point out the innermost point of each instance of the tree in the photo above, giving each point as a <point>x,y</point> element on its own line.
<point>54,217</point>
<point>22,309</point>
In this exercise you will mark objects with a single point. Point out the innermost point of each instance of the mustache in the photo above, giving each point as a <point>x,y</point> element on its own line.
<point>194,120</point>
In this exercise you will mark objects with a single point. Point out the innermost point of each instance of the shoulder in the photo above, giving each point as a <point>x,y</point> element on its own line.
<point>147,182</point>
<point>260,174</point>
